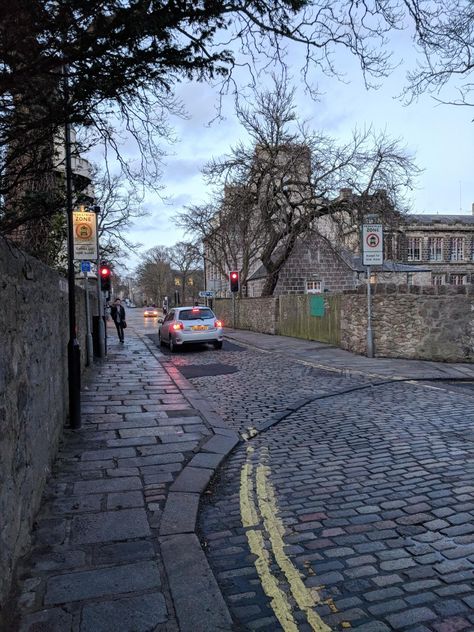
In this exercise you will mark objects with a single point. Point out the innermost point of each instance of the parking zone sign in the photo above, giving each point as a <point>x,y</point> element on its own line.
<point>84,225</point>
<point>372,244</point>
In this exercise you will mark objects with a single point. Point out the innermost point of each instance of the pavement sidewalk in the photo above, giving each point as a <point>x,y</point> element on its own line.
<point>114,545</point>
<point>330,358</point>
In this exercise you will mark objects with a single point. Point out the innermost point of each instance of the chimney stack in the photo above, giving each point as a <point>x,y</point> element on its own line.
<point>345,194</point>
<point>472,207</point>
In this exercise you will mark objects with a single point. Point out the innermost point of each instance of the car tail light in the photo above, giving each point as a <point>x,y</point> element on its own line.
<point>218,323</point>
<point>178,325</point>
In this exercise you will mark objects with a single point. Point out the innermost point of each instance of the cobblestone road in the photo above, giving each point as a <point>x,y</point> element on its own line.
<point>356,511</point>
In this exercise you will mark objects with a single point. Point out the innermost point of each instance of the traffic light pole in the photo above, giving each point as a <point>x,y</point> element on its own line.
<point>100,308</point>
<point>74,351</point>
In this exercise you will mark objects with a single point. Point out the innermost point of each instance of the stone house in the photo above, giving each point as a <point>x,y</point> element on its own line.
<point>315,266</point>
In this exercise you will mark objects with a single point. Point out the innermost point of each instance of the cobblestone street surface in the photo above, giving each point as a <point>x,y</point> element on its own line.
<point>354,511</point>
<point>324,494</point>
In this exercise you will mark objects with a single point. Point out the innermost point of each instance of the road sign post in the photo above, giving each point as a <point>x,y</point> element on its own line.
<point>85,268</point>
<point>372,254</point>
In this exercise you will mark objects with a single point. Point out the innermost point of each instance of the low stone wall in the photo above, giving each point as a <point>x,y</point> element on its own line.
<point>254,314</point>
<point>423,323</point>
<point>33,392</point>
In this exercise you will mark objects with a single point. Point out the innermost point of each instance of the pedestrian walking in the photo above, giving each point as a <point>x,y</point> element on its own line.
<point>117,312</point>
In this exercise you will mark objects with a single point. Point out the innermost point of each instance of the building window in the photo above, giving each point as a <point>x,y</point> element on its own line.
<point>458,279</point>
<point>373,278</point>
<point>436,249</point>
<point>457,249</point>
<point>414,249</point>
<point>314,287</point>
<point>410,278</point>
<point>437,279</point>
<point>190,281</point>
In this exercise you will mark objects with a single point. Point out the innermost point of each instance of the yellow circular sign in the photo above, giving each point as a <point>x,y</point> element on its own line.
<point>83,231</point>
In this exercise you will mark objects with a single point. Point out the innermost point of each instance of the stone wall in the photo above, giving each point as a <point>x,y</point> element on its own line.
<point>33,392</point>
<point>254,314</point>
<point>417,322</point>
<point>424,323</point>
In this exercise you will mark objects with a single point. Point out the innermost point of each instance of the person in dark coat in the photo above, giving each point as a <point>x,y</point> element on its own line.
<point>117,312</point>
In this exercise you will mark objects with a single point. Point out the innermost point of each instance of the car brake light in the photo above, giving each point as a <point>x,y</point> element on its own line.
<point>218,323</point>
<point>178,325</point>
<point>195,309</point>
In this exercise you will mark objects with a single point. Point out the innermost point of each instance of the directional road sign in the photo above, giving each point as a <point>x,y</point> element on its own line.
<point>207,294</point>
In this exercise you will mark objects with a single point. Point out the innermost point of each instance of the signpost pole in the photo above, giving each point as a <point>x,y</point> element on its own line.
<point>89,345</point>
<point>233,310</point>
<point>372,253</point>
<point>370,334</point>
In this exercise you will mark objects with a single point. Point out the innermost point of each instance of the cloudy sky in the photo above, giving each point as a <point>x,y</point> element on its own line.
<point>440,136</point>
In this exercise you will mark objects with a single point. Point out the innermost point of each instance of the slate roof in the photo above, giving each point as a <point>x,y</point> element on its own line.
<point>354,262</point>
<point>421,218</point>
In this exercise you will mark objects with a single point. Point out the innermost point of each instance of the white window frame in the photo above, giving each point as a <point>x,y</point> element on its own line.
<point>438,279</point>
<point>412,249</point>
<point>435,249</point>
<point>458,277</point>
<point>317,289</point>
<point>457,248</point>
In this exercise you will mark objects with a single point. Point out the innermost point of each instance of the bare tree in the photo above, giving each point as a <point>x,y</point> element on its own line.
<point>154,274</point>
<point>293,176</point>
<point>185,260</point>
<point>120,205</point>
<point>231,236</point>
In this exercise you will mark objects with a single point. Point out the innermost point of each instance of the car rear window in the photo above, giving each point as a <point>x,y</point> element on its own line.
<point>193,314</point>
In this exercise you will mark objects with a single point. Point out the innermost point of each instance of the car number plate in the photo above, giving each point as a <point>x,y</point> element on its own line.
<point>199,327</point>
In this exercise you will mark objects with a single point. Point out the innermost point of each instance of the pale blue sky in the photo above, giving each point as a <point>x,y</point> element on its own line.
<point>440,136</point>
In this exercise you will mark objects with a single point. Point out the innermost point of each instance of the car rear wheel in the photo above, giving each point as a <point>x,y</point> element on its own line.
<point>172,345</point>
<point>218,344</point>
<point>160,340</point>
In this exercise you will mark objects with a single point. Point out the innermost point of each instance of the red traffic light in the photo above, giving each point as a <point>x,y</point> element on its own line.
<point>234,281</point>
<point>104,272</point>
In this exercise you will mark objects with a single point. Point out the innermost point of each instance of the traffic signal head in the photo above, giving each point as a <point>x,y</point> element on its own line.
<point>234,281</point>
<point>105,278</point>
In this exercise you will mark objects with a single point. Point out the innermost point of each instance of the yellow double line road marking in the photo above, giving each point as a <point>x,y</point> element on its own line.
<point>259,508</point>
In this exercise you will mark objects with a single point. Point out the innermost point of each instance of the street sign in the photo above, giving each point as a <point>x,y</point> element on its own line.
<point>372,244</point>
<point>207,294</point>
<point>85,266</point>
<point>84,228</point>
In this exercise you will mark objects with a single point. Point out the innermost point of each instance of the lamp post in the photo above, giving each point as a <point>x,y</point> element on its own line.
<point>74,351</point>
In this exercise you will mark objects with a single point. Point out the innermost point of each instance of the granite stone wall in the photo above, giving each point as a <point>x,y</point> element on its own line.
<point>254,314</point>
<point>418,322</point>
<point>33,392</point>
<point>423,323</point>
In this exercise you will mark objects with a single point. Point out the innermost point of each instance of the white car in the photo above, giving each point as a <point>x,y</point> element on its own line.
<point>190,325</point>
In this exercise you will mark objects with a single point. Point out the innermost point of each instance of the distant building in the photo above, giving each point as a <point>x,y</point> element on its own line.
<point>444,243</point>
